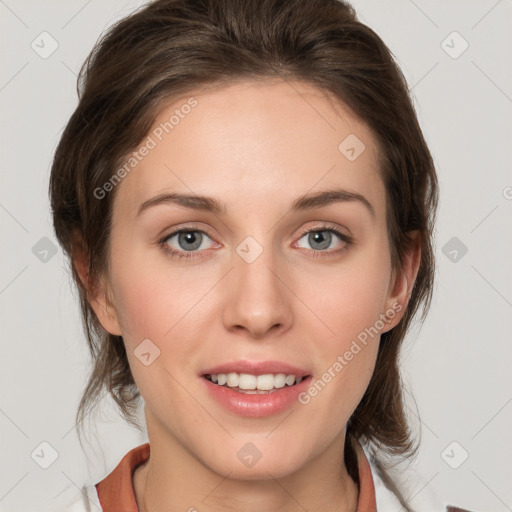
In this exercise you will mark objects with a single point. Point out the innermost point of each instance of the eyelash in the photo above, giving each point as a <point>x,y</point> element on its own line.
<point>348,241</point>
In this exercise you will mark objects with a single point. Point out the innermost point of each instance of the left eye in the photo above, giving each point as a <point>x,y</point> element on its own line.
<point>321,239</point>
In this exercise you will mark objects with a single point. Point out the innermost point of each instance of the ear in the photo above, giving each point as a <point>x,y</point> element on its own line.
<point>402,281</point>
<point>98,294</point>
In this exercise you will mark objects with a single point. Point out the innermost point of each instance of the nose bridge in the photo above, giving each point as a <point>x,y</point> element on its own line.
<point>256,299</point>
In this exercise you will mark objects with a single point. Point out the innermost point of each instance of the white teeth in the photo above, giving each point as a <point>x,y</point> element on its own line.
<point>280,380</point>
<point>290,379</point>
<point>232,380</point>
<point>247,381</point>
<point>265,382</point>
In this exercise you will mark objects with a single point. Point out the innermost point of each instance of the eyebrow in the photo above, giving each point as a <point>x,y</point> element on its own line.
<point>302,203</point>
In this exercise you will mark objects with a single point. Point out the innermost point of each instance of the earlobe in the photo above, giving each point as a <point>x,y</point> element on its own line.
<point>97,293</point>
<point>105,310</point>
<point>402,281</point>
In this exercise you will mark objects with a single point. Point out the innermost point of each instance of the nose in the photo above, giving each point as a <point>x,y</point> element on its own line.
<point>257,298</point>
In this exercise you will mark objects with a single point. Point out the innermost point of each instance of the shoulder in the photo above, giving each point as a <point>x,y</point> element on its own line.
<point>409,482</point>
<point>73,499</point>
<point>115,490</point>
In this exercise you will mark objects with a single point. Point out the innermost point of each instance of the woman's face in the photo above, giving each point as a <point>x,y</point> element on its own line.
<point>246,284</point>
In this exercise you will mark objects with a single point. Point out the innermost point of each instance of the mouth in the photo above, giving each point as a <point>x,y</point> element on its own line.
<point>255,389</point>
<point>252,384</point>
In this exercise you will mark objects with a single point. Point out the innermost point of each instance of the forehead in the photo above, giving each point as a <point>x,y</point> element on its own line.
<point>250,142</point>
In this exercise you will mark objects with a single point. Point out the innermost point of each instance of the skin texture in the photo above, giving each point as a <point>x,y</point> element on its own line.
<point>256,146</point>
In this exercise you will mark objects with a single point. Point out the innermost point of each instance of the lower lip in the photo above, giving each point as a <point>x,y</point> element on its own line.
<point>256,405</point>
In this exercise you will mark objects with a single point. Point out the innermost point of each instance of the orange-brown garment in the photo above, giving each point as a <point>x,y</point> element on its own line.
<point>116,492</point>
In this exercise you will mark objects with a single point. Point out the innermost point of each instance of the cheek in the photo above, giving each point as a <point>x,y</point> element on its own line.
<point>154,300</point>
<point>350,298</point>
<point>156,304</point>
<point>349,303</point>
<point>149,299</point>
<point>151,309</point>
<point>346,354</point>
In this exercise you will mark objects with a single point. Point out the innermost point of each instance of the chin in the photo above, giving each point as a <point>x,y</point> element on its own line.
<point>251,463</point>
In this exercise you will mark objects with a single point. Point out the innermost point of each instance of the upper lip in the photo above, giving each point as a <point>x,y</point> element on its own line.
<point>256,368</point>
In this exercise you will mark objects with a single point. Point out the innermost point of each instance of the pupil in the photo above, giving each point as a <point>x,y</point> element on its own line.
<point>189,238</point>
<point>318,237</point>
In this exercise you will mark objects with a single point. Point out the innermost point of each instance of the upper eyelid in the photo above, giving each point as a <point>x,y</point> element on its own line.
<point>324,225</point>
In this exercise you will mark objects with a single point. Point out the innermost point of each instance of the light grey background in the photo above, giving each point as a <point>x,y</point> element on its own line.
<point>457,366</point>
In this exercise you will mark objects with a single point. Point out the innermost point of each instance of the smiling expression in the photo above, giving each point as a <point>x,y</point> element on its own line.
<point>246,174</point>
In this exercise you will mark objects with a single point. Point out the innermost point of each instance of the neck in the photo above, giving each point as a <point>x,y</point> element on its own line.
<point>174,479</point>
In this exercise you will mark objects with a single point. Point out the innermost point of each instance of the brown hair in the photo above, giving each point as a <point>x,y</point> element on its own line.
<point>170,47</point>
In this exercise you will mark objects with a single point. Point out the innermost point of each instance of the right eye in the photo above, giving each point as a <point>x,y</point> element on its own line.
<point>185,241</point>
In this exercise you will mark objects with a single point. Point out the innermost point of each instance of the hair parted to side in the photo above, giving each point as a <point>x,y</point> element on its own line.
<point>170,47</point>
